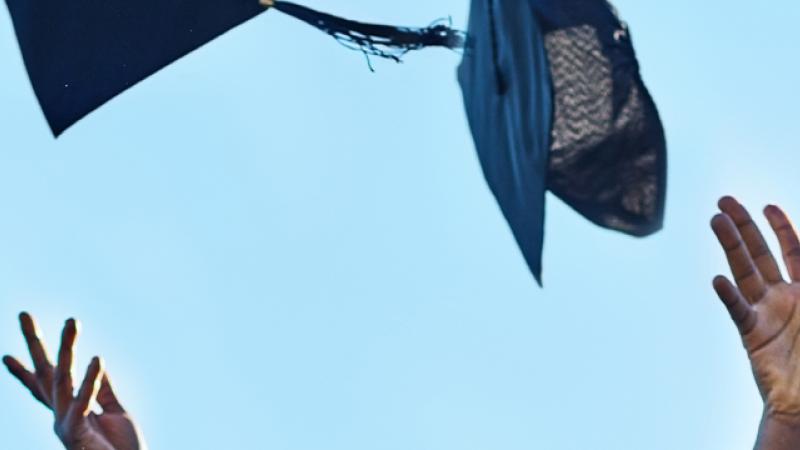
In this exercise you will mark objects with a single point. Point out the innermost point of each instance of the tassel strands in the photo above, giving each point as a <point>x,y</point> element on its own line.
<point>384,41</point>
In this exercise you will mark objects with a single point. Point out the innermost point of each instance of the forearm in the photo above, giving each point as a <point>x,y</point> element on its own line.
<point>778,433</point>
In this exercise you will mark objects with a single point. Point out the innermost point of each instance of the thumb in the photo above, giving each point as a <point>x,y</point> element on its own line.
<point>107,398</point>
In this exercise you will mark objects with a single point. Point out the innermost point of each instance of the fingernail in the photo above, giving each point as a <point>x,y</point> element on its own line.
<point>715,221</point>
<point>72,323</point>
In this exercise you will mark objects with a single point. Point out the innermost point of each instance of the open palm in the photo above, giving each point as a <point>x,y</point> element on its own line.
<point>762,304</point>
<point>75,424</point>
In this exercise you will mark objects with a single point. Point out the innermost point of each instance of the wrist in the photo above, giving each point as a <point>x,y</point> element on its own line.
<point>778,431</point>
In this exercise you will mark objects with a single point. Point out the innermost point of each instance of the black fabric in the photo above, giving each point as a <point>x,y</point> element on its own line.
<point>555,102</point>
<point>608,153</point>
<point>551,88</point>
<point>81,53</point>
<point>508,100</point>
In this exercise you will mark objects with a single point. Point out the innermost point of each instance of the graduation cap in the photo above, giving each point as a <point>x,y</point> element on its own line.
<point>81,53</point>
<point>551,88</point>
<point>555,102</point>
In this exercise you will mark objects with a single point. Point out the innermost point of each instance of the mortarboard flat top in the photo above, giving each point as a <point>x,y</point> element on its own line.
<point>81,53</point>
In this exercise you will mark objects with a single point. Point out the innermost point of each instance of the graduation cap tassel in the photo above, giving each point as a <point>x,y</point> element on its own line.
<point>384,41</point>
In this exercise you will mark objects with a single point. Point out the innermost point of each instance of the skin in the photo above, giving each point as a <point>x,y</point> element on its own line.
<point>765,309</point>
<point>77,426</point>
<point>761,303</point>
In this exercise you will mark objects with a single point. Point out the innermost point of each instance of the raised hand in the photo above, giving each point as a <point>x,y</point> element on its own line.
<point>76,425</point>
<point>765,309</point>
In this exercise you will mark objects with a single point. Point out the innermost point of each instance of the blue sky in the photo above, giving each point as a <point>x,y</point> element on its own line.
<point>264,268</point>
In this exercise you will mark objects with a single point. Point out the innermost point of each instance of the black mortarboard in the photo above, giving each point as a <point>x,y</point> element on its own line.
<point>555,102</point>
<point>551,87</point>
<point>81,53</point>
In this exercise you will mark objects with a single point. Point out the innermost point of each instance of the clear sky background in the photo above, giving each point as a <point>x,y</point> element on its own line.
<point>275,248</point>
